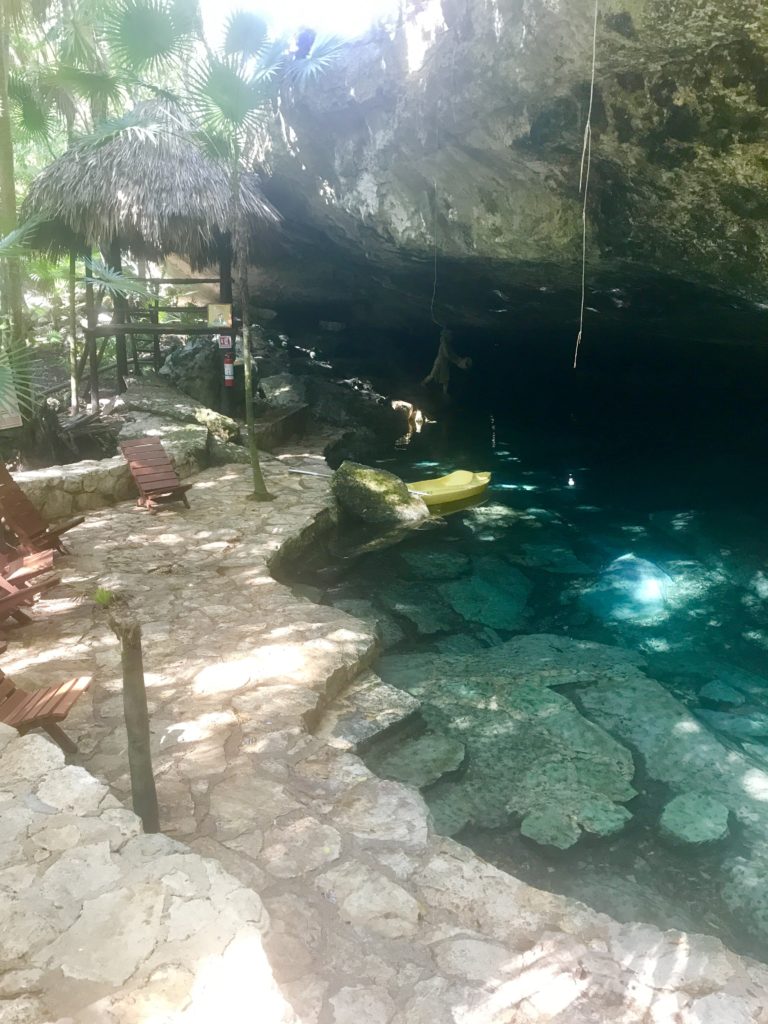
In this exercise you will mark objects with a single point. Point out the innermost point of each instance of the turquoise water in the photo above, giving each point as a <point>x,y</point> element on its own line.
<point>653,549</point>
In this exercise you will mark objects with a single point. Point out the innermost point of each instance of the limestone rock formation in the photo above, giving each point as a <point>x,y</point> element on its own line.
<point>462,127</point>
<point>376,497</point>
<point>694,818</point>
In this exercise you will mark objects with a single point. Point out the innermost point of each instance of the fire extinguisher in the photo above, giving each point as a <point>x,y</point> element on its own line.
<point>229,370</point>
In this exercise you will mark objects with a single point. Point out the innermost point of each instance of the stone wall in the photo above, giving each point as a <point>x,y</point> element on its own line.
<point>186,429</point>
<point>104,924</point>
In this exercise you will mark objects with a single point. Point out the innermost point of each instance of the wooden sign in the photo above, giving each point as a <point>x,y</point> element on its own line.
<point>220,314</point>
<point>10,416</point>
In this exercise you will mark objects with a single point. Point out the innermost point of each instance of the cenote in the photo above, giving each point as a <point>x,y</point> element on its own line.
<point>626,510</point>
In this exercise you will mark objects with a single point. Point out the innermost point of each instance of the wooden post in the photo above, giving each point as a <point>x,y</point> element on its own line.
<point>90,344</point>
<point>225,295</point>
<point>120,313</point>
<point>157,359</point>
<point>128,631</point>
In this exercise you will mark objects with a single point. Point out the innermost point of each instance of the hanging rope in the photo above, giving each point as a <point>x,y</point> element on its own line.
<point>434,282</point>
<point>586,164</point>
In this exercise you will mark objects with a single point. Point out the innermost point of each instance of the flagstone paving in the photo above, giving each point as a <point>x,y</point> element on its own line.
<point>372,916</point>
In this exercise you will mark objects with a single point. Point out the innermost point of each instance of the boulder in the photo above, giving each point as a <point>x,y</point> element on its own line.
<point>361,445</point>
<point>283,391</point>
<point>351,404</point>
<point>376,497</point>
<point>195,369</point>
<point>153,395</point>
<point>694,819</point>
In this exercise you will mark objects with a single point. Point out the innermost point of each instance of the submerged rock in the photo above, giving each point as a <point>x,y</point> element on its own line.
<point>388,630</point>
<point>721,693</point>
<point>530,753</point>
<point>746,891</point>
<point>435,565</point>
<point>694,819</point>
<point>375,496</point>
<point>631,589</point>
<point>749,724</point>
<point>418,761</point>
<point>562,825</point>
<point>495,597</point>
<point>419,605</point>
<point>552,558</point>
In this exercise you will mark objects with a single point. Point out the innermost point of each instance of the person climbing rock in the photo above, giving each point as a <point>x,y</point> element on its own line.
<point>446,356</point>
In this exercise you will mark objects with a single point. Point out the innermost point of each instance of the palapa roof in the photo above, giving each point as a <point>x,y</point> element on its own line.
<point>150,185</point>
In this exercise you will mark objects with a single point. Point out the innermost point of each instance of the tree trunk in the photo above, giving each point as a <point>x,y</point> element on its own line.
<point>90,344</point>
<point>73,377</point>
<point>120,316</point>
<point>13,290</point>
<point>240,251</point>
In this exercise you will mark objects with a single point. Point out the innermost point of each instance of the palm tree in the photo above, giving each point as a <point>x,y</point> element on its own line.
<point>232,94</point>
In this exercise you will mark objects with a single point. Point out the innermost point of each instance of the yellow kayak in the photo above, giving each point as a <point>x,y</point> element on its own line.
<point>455,487</point>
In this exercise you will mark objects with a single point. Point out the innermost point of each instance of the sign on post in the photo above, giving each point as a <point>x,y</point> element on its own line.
<point>10,416</point>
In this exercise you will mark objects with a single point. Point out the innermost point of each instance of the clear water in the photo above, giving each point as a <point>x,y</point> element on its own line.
<point>654,545</point>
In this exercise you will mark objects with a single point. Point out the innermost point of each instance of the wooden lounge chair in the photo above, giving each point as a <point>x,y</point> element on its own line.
<point>155,477</point>
<point>41,709</point>
<point>22,518</point>
<point>14,597</point>
<point>19,568</point>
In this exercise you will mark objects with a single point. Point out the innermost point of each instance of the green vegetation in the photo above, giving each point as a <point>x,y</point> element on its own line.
<point>73,74</point>
<point>103,597</point>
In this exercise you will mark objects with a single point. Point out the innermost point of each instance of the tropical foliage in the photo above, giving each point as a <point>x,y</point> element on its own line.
<point>79,73</point>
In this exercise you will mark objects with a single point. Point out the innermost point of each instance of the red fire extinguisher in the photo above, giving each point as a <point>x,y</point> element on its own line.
<point>229,370</point>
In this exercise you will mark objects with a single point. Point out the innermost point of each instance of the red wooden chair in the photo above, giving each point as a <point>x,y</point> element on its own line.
<point>155,477</point>
<point>22,518</point>
<point>41,709</point>
<point>15,597</point>
<point>17,568</point>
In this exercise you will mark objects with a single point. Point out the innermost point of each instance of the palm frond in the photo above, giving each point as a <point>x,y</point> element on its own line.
<point>31,109</point>
<point>45,273</point>
<point>16,375</point>
<point>323,55</point>
<point>85,83</point>
<point>76,44</point>
<point>114,282</point>
<point>187,17</point>
<point>17,244</point>
<point>272,61</point>
<point>145,34</point>
<point>246,33</point>
<point>216,145</point>
<point>225,97</point>
<point>139,124</point>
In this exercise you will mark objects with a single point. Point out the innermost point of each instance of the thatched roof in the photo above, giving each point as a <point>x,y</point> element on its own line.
<point>151,186</point>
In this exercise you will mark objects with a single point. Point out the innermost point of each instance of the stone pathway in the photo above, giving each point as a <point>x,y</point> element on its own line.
<point>373,917</point>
